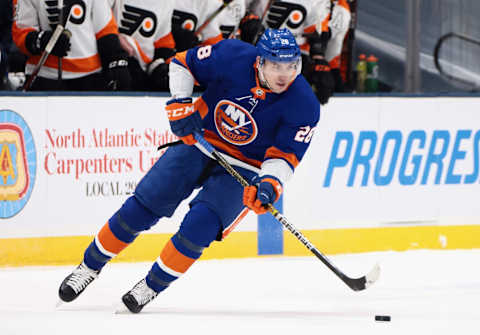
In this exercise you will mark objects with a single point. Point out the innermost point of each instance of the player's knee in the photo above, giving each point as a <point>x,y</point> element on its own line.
<point>131,219</point>
<point>201,225</point>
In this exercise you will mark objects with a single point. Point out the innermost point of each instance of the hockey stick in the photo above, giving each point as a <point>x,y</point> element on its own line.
<point>60,61</point>
<point>48,49</point>
<point>356,284</point>
<point>263,20</point>
<point>436,58</point>
<point>211,17</point>
<point>169,144</point>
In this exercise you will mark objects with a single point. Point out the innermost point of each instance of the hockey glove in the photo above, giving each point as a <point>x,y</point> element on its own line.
<point>250,28</point>
<point>158,74</point>
<point>184,120</point>
<point>263,191</point>
<point>36,41</point>
<point>117,75</point>
<point>323,83</point>
<point>184,39</point>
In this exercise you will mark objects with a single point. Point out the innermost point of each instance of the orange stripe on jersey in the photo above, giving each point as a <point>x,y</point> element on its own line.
<point>239,218</point>
<point>310,29</point>
<point>232,151</point>
<point>145,58</point>
<point>201,107</point>
<point>173,259</point>
<point>181,57</point>
<point>344,4</point>
<point>273,152</point>
<point>109,241</point>
<point>166,41</point>
<point>79,65</point>
<point>213,40</point>
<point>335,62</point>
<point>325,23</point>
<point>19,35</point>
<point>110,28</point>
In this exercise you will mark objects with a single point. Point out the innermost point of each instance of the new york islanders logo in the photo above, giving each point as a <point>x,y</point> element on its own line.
<point>17,163</point>
<point>234,123</point>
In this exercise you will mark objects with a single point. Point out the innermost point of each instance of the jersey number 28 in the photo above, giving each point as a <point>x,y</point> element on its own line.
<point>305,134</point>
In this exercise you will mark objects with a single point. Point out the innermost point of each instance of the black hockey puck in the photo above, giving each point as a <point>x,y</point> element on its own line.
<point>382,318</point>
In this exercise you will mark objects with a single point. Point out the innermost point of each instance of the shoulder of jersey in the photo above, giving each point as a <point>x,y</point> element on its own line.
<point>301,97</point>
<point>236,50</point>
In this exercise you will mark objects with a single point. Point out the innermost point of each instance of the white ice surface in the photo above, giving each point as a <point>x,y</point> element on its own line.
<point>424,292</point>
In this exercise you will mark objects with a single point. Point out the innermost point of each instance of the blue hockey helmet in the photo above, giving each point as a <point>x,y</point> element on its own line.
<point>278,45</point>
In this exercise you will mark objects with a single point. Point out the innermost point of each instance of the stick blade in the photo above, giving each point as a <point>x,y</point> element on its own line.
<point>362,283</point>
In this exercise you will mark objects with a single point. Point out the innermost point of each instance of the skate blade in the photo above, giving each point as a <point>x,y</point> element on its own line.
<point>59,303</point>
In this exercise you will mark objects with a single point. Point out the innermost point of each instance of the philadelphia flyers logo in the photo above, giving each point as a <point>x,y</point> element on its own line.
<point>289,13</point>
<point>226,30</point>
<point>137,19</point>
<point>234,123</point>
<point>74,11</point>
<point>184,20</point>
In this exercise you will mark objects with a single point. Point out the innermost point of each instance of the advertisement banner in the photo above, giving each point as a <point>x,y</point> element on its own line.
<point>68,163</point>
<point>390,161</point>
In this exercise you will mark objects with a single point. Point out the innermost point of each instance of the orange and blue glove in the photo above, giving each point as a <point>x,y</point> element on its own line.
<point>263,191</point>
<point>184,120</point>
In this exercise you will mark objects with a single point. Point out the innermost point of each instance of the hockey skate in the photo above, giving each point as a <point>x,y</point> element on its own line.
<point>138,296</point>
<point>76,282</point>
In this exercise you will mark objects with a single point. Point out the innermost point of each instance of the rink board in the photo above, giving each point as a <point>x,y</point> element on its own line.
<point>382,173</point>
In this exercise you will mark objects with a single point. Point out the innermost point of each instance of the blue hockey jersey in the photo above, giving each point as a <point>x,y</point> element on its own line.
<point>242,119</point>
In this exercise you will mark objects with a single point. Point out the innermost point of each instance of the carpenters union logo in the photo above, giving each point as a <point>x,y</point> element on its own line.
<point>18,161</point>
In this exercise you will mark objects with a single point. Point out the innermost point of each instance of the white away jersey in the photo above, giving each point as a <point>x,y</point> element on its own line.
<point>88,21</point>
<point>191,14</point>
<point>299,16</point>
<point>146,24</point>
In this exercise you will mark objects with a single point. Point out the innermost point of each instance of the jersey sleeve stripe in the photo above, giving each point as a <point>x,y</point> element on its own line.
<point>290,158</point>
<point>335,62</point>
<point>310,29</point>
<point>201,107</point>
<point>19,35</point>
<point>344,4</point>
<point>110,28</point>
<point>78,65</point>
<point>325,23</point>
<point>166,41</point>
<point>181,59</point>
<point>212,40</point>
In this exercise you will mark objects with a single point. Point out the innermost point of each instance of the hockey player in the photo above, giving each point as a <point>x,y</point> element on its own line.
<point>338,26</point>
<point>308,21</point>
<point>145,33</point>
<point>235,22</point>
<point>188,16</point>
<point>92,49</point>
<point>261,114</point>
